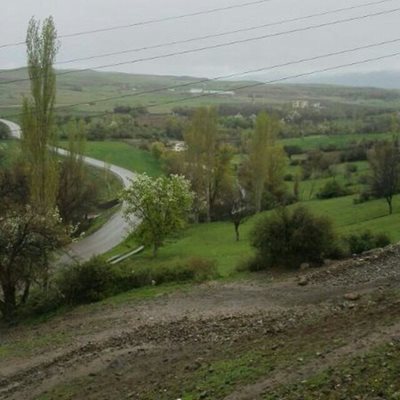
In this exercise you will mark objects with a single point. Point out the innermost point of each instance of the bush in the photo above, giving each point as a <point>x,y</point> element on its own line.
<point>86,283</point>
<point>42,302</point>
<point>288,178</point>
<point>95,280</point>
<point>253,264</point>
<point>331,190</point>
<point>358,243</point>
<point>289,238</point>
<point>351,168</point>
<point>193,269</point>
<point>364,180</point>
<point>363,197</point>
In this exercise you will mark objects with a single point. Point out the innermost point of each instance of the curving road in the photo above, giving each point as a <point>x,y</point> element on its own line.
<point>110,234</point>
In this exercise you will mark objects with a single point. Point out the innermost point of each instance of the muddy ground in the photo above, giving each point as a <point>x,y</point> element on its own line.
<point>239,340</point>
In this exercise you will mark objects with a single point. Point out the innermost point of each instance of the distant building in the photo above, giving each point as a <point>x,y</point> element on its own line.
<point>219,92</point>
<point>179,147</point>
<point>303,104</point>
<point>300,104</point>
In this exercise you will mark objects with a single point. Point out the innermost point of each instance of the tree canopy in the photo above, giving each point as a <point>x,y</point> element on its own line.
<point>161,206</point>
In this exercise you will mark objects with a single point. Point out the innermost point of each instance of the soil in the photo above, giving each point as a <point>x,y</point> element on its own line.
<point>174,345</point>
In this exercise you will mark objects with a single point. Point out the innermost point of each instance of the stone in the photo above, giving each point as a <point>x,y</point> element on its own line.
<point>303,281</point>
<point>352,296</point>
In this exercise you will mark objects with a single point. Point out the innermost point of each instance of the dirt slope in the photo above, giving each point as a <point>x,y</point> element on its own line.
<point>220,340</point>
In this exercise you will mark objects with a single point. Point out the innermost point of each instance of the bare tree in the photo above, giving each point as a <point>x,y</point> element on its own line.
<point>241,209</point>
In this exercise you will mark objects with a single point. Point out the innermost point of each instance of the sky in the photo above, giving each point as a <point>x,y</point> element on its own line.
<point>81,15</point>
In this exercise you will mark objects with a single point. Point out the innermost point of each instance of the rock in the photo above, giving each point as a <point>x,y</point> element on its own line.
<point>304,266</point>
<point>303,281</point>
<point>116,364</point>
<point>352,296</point>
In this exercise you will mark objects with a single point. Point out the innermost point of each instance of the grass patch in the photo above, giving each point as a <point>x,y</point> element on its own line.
<point>339,141</point>
<point>32,345</point>
<point>123,155</point>
<point>216,241</point>
<point>375,375</point>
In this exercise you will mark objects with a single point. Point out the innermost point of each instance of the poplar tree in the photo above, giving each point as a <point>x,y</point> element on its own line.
<point>38,130</point>
<point>201,155</point>
<point>266,159</point>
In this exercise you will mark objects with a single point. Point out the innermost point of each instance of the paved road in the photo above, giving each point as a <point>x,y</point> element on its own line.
<point>110,234</point>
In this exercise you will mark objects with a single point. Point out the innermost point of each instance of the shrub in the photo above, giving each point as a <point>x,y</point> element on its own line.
<point>289,238</point>
<point>332,189</point>
<point>364,179</point>
<point>351,168</point>
<point>288,178</point>
<point>95,280</point>
<point>194,269</point>
<point>86,283</point>
<point>253,264</point>
<point>42,302</point>
<point>358,243</point>
<point>363,197</point>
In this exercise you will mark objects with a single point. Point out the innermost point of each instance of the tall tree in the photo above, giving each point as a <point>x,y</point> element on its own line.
<point>76,194</point>
<point>38,131</point>
<point>384,160</point>
<point>266,159</point>
<point>201,156</point>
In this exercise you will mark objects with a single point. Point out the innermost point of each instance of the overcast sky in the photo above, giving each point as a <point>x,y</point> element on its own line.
<point>77,15</point>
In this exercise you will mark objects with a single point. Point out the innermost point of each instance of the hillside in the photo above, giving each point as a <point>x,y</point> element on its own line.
<point>86,88</point>
<point>377,79</point>
<point>265,338</point>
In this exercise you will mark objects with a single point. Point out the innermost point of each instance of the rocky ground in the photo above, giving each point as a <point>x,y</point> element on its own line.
<point>252,339</point>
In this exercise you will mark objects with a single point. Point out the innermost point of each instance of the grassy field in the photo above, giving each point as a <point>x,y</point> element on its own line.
<point>216,241</point>
<point>339,141</point>
<point>89,88</point>
<point>124,155</point>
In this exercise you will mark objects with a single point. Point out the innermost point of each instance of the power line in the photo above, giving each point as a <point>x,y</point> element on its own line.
<point>286,78</point>
<point>150,21</point>
<point>222,77</point>
<point>283,79</point>
<point>270,82</point>
<point>220,45</point>
<point>212,36</point>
